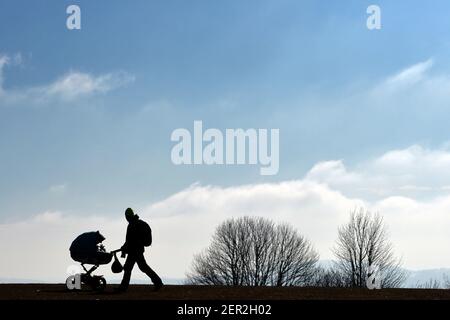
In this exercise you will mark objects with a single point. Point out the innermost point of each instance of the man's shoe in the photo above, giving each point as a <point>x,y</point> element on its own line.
<point>158,286</point>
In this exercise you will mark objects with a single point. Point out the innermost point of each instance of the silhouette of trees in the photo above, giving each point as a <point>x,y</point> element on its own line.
<point>446,282</point>
<point>256,252</point>
<point>330,277</point>
<point>253,251</point>
<point>363,242</point>
<point>430,284</point>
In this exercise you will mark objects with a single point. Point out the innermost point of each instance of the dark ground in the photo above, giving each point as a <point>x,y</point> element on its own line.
<point>179,292</point>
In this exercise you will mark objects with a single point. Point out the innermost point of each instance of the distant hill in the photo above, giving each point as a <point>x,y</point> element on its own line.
<point>427,275</point>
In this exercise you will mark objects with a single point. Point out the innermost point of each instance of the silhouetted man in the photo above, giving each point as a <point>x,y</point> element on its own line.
<point>138,232</point>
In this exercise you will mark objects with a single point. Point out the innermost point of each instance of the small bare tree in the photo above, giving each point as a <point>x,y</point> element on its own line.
<point>446,281</point>
<point>330,277</point>
<point>363,242</point>
<point>430,284</point>
<point>252,251</point>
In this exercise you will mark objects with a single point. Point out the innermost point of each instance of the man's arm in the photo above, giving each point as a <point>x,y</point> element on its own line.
<point>124,248</point>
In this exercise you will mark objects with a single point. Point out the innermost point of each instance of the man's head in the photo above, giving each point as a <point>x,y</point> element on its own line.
<point>129,214</point>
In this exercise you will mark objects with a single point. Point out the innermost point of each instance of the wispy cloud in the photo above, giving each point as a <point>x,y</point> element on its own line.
<point>421,88</point>
<point>58,188</point>
<point>15,60</point>
<point>410,75</point>
<point>69,87</point>
<point>77,84</point>
<point>4,60</point>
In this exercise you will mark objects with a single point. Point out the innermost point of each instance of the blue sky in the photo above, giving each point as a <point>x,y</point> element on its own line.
<point>310,68</point>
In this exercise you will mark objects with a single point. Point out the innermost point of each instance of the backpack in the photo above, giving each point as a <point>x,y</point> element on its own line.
<point>146,233</point>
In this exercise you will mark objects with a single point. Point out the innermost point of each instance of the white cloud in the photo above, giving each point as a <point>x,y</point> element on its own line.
<point>71,86</point>
<point>419,229</point>
<point>77,84</point>
<point>413,172</point>
<point>415,87</point>
<point>316,205</point>
<point>58,188</point>
<point>410,75</point>
<point>4,60</point>
<point>334,170</point>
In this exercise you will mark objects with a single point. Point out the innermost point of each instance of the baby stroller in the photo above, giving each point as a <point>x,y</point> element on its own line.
<point>87,248</point>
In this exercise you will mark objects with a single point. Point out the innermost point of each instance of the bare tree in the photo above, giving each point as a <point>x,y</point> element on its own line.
<point>363,242</point>
<point>430,284</point>
<point>446,281</point>
<point>330,277</point>
<point>253,251</point>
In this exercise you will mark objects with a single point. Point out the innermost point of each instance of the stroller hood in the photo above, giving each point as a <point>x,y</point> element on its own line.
<point>87,241</point>
<point>84,249</point>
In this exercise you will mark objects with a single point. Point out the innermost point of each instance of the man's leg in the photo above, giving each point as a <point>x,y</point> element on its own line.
<point>142,264</point>
<point>127,268</point>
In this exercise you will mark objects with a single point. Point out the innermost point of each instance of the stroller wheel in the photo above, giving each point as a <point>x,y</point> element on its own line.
<point>99,284</point>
